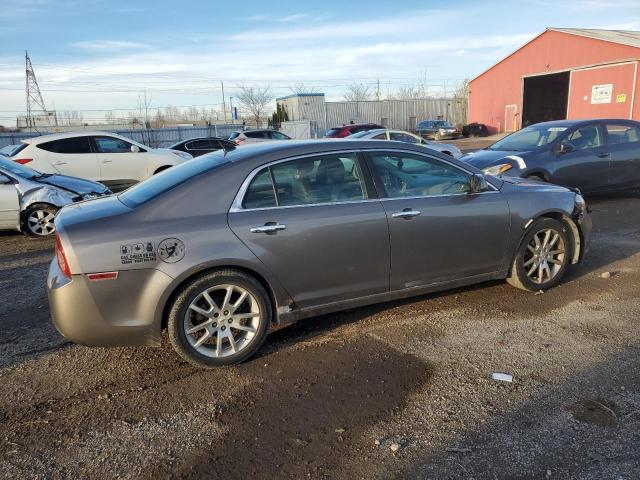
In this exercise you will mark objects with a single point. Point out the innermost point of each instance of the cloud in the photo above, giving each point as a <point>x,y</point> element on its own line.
<point>110,45</point>
<point>278,18</point>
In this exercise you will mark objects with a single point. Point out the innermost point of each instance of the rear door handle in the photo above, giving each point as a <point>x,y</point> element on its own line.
<point>107,161</point>
<point>406,213</point>
<point>60,163</point>
<point>269,228</point>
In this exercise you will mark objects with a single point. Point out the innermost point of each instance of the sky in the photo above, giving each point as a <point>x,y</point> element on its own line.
<point>97,55</point>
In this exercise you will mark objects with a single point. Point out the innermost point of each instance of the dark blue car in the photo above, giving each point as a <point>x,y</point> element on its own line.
<point>592,155</point>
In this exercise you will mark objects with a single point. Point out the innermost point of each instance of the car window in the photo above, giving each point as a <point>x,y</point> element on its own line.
<point>381,136</point>
<point>199,145</point>
<point>256,134</point>
<point>260,193</point>
<point>403,137</point>
<point>67,145</point>
<point>411,175</point>
<point>622,133</point>
<point>319,179</point>
<point>585,137</point>
<point>234,135</point>
<point>279,136</point>
<point>529,138</point>
<point>333,131</point>
<point>112,145</point>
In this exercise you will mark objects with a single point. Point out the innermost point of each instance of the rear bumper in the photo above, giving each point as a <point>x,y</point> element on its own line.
<point>108,313</point>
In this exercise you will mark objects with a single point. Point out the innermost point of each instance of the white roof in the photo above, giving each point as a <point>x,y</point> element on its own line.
<point>58,136</point>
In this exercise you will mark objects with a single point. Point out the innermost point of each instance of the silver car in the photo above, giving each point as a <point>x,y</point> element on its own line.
<point>222,248</point>
<point>407,137</point>
<point>30,199</point>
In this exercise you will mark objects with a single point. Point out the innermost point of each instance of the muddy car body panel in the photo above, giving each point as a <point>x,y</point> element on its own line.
<point>154,239</point>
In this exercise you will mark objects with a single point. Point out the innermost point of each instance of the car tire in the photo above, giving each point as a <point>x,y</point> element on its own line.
<point>540,264</point>
<point>37,220</point>
<point>218,335</point>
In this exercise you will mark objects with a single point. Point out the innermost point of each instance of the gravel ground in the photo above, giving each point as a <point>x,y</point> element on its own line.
<point>397,390</point>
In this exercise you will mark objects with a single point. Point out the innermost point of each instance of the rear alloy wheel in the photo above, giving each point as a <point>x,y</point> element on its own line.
<point>221,318</point>
<point>542,257</point>
<point>38,220</point>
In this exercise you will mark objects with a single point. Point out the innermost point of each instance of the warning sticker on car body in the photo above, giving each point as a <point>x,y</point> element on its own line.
<point>137,253</point>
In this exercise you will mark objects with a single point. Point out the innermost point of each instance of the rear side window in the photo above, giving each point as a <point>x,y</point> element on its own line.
<point>199,145</point>
<point>67,145</point>
<point>166,180</point>
<point>257,134</point>
<point>260,193</point>
<point>622,133</point>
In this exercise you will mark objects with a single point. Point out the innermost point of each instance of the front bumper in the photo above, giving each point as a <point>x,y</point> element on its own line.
<point>108,313</point>
<point>583,221</point>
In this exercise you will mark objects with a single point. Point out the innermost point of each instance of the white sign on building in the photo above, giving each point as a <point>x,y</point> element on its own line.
<point>601,93</point>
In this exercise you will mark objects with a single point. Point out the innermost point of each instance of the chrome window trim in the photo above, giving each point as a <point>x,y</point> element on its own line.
<point>236,205</point>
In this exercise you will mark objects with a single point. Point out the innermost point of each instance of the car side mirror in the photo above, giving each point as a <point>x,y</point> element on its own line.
<point>565,148</point>
<point>135,149</point>
<point>4,180</point>
<point>477,183</point>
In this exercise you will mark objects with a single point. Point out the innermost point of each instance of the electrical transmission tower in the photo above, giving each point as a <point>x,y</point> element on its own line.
<point>34,97</point>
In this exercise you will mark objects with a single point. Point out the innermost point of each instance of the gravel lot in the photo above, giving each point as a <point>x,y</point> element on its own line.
<point>334,396</point>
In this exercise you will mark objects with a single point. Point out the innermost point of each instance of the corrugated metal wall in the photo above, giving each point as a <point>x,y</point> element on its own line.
<point>398,114</point>
<point>155,137</point>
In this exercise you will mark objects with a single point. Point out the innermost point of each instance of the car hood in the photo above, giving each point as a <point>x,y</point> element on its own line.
<point>488,158</point>
<point>73,184</point>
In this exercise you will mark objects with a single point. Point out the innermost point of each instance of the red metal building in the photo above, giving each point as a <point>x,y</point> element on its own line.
<point>561,73</point>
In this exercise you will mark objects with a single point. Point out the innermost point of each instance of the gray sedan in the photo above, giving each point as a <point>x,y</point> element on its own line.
<point>407,137</point>
<point>30,199</point>
<point>222,248</point>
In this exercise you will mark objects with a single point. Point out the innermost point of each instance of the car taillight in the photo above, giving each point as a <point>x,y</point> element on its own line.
<point>22,161</point>
<point>62,259</point>
<point>239,141</point>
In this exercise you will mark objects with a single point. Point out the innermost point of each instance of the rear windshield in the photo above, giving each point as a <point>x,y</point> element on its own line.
<point>333,131</point>
<point>234,135</point>
<point>166,180</point>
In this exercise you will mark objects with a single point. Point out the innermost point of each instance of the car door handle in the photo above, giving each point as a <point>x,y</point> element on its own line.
<point>407,213</point>
<point>268,228</point>
<point>603,155</point>
<point>107,161</point>
<point>60,163</point>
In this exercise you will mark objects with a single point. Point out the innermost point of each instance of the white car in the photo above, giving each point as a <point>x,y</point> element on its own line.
<point>116,161</point>
<point>256,136</point>
<point>407,137</point>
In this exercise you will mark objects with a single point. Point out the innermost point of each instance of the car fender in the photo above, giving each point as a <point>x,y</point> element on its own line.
<point>537,172</point>
<point>32,193</point>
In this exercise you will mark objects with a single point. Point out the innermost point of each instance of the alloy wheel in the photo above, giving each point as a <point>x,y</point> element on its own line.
<point>222,321</point>
<point>544,256</point>
<point>40,222</point>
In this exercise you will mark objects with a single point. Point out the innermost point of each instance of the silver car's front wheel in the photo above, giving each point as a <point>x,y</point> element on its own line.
<point>220,318</point>
<point>38,220</point>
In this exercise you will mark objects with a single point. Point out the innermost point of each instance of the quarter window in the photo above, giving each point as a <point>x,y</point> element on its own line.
<point>403,137</point>
<point>260,193</point>
<point>407,175</point>
<point>622,134</point>
<point>112,145</point>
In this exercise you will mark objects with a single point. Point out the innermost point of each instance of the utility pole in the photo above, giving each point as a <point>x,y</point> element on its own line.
<point>34,97</point>
<point>231,108</point>
<point>378,90</point>
<point>224,104</point>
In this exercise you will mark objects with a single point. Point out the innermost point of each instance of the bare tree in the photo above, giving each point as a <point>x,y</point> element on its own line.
<point>254,100</point>
<point>110,118</point>
<point>144,105</point>
<point>410,92</point>
<point>358,92</point>
<point>300,88</point>
<point>70,118</point>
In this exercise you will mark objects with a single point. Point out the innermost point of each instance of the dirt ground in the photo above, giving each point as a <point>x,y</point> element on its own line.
<point>334,396</point>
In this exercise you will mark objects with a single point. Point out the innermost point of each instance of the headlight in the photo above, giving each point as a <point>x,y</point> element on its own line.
<point>498,169</point>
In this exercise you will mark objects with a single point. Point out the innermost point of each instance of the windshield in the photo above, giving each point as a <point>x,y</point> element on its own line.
<point>18,169</point>
<point>170,178</point>
<point>528,138</point>
<point>441,124</point>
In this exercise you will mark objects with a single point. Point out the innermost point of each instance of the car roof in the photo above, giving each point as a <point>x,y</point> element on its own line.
<point>582,121</point>
<point>60,136</point>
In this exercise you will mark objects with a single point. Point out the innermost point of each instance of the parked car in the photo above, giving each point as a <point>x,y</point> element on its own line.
<point>346,130</point>
<point>437,130</point>
<point>256,136</point>
<point>29,200</point>
<point>199,146</point>
<point>11,150</point>
<point>116,161</point>
<point>592,155</point>
<point>475,130</point>
<point>293,230</point>
<point>401,136</point>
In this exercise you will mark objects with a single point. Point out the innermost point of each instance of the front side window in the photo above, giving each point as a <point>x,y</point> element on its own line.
<point>112,145</point>
<point>584,138</point>
<point>67,145</point>
<point>199,145</point>
<point>279,136</point>
<point>622,133</point>
<point>403,137</point>
<point>412,175</point>
<point>320,179</point>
